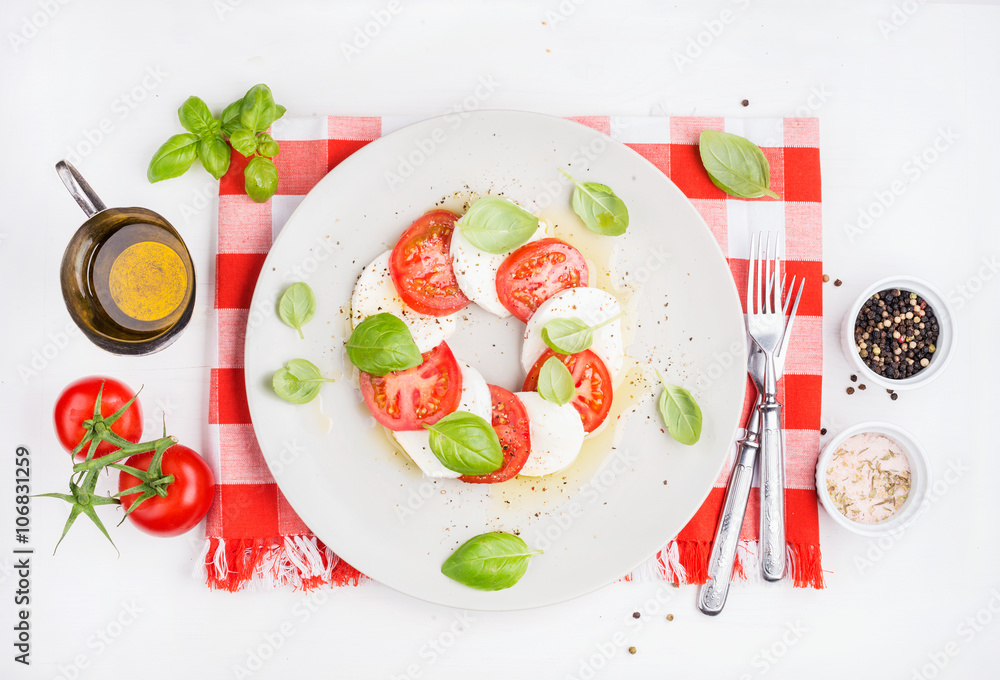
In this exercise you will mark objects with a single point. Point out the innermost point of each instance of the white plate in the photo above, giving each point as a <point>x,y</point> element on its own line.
<point>608,513</point>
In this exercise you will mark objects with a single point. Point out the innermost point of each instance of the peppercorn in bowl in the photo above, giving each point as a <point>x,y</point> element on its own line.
<point>899,333</point>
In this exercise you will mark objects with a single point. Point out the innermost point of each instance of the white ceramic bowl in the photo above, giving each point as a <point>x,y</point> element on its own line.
<point>945,344</point>
<point>920,479</point>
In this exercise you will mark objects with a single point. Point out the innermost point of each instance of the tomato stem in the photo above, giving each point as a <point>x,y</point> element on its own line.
<point>158,445</point>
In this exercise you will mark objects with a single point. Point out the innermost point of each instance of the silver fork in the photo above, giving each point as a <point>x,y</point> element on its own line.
<point>765,323</point>
<point>713,593</point>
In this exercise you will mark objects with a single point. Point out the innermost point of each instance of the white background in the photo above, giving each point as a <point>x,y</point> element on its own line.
<point>884,78</point>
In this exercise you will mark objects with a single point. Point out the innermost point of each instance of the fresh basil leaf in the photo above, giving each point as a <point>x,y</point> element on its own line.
<point>213,152</point>
<point>260,179</point>
<point>173,158</point>
<point>231,118</point>
<point>244,141</point>
<point>681,413</point>
<point>298,382</point>
<point>258,109</point>
<point>555,382</point>
<point>382,343</point>
<point>496,225</point>
<point>195,115</point>
<point>567,336</point>
<point>571,335</point>
<point>267,146</point>
<point>279,111</point>
<point>599,207</point>
<point>297,306</point>
<point>735,164</point>
<point>466,443</point>
<point>489,561</point>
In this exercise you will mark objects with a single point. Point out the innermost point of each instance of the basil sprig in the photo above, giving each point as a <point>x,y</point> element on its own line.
<point>297,306</point>
<point>571,335</point>
<point>735,164</point>
<point>680,412</point>
<point>555,382</point>
<point>298,382</point>
<point>382,343</point>
<point>242,126</point>
<point>599,207</point>
<point>489,561</point>
<point>466,443</point>
<point>496,225</point>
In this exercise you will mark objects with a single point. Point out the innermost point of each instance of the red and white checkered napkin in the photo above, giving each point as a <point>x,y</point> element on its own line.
<point>253,533</point>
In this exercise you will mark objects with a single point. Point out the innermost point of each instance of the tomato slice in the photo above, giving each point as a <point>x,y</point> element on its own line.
<point>421,269</point>
<point>592,380</point>
<point>510,420</point>
<point>405,400</point>
<point>536,271</point>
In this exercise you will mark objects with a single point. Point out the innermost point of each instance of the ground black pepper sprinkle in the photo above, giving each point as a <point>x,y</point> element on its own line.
<point>636,615</point>
<point>838,282</point>
<point>895,333</point>
<point>745,102</point>
<point>822,431</point>
<point>894,396</point>
<point>854,378</point>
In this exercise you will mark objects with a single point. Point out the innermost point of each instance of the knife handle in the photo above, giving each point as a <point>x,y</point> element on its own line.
<point>772,492</point>
<point>712,594</point>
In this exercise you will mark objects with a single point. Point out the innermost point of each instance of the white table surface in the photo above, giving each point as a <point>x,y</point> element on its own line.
<point>883,77</point>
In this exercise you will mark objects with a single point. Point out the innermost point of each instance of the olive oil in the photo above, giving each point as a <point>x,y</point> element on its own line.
<point>128,281</point>
<point>139,278</point>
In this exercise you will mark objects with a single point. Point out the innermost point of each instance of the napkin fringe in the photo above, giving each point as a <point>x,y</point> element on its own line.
<point>806,565</point>
<point>686,562</point>
<point>302,562</point>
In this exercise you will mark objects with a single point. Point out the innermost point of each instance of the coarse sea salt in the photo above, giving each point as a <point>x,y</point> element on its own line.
<point>868,478</point>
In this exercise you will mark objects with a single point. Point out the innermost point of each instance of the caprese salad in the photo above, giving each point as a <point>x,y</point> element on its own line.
<point>439,409</point>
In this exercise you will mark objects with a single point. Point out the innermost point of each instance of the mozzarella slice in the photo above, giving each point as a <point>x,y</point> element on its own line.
<point>556,435</point>
<point>590,305</point>
<point>375,293</point>
<point>475,399</point>
<point>476,271</point>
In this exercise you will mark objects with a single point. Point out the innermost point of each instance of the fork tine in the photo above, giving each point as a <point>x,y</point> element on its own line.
<point>767,284</point>
<point>785,335</point>
<point>798,296</point>
<point>750,272</point>
<point>787,297</point>
<point>777,270</point>
<point>761,278</point>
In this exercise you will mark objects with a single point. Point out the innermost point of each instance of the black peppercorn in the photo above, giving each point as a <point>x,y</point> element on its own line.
<point>895,346</point>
